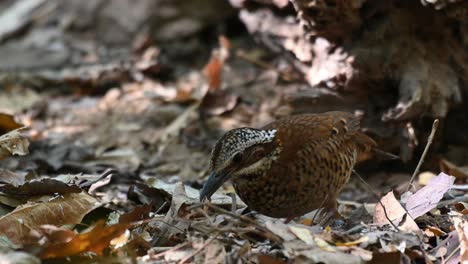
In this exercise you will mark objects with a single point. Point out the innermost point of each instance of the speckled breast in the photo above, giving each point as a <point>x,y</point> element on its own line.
<point>310,181</point>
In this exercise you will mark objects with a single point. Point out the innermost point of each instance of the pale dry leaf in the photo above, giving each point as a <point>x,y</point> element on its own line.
<point>13,143</point>
<point>425,177</point>
<point>67,209</point>
<point>10,177</point>
<point>280,229</point>
<point>303,234</point>
<point>395,212</point>
<point>461,225</point>
<point>427,197</point>
<point>215,253</point>
<point>171,224</point>
<point>218,198</point>
<point>323,244</point>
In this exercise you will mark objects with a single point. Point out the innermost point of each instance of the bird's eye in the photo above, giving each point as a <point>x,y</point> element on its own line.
<point>237,157</point>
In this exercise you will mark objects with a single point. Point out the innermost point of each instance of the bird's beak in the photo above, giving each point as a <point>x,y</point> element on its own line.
<point>212,184</point>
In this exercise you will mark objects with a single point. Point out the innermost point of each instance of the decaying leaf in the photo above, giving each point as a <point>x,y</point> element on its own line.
<point>448,248</point>
<point>61,210</point>
<point>215,253</point>
<point>9,177</point>
<point>45,186</point>
<point>213,69</point>
<point>12,143</point>
<point>8,123</point>
<point>171,224</point>
<point>427,197</point>
<point>138,214</point>
<point>461,225</point>
<point>96,240</point>
<point>217,198</point>
<point>393,210</point>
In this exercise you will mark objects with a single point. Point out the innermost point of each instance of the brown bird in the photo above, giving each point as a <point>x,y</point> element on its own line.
<point>291,166</point>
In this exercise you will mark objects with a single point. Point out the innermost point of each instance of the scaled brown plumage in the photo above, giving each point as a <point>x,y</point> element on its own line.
<point>291,166</point>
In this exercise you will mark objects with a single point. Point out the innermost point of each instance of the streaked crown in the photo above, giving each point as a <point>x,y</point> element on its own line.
<point>236,141</point>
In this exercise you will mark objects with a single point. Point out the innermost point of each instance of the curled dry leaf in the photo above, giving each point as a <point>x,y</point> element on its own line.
<point>96,240</point>
<point>67,209</point>
<point>8,123</point>
<point>46,186</point>
<point>12,143</point>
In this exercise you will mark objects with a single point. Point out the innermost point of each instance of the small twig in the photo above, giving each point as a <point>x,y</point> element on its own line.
<point>378,197</point>
<point>234,202</point>
<point>160,208</point>
<point>199,249</point>
<point>435,125</point>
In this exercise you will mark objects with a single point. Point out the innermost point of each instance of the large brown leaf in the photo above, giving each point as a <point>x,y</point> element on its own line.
<point>67,209</point>
<point>8,123</point>
<point>95,241</point>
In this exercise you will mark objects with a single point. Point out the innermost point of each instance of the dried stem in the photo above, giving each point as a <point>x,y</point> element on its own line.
<point>435,125</point>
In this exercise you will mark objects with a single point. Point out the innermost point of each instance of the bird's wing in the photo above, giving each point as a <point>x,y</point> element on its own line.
<point>295,132</point>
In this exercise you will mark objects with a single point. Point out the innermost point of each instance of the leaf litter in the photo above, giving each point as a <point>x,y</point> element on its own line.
<point>113,173</point>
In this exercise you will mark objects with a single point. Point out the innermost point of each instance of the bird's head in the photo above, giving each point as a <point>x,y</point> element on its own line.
<point>241,151</point>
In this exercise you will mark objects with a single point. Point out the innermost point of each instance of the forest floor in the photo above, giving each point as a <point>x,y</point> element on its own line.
<point>103,161</point>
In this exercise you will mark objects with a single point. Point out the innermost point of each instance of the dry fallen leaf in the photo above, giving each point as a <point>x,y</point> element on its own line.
<point>461,225</point>
<point>61,210</point>
<point>10,177</point>
<point>303,234</point>
<point>139,213</point>
<point>172,225</point>
<point>427,197</point>
<point>395,212</point>
<point>8,123</point>
<point>12,143</point>
<point>96,240</point>
<point>45,186</point>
